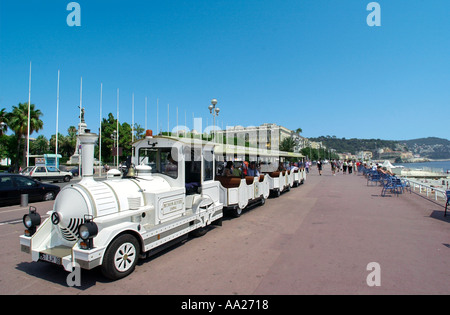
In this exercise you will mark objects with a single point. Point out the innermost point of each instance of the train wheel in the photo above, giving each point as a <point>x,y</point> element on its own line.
<point>199,232</point>
<point>121,257</point>
<point>236,212</point>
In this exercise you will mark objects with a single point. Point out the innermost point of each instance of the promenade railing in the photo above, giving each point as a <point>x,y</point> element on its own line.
<point>398,185</point>
<point>430,191</point>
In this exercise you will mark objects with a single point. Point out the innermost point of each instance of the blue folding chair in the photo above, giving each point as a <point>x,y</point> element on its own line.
<point>373,177</point>
<point>388,185</point>
<point>398,185</point>
<point>406,185</point>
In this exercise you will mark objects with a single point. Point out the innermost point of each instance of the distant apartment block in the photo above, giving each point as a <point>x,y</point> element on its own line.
<point>268,136</point>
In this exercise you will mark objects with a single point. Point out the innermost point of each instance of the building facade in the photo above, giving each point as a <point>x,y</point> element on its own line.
<point>268,136</point>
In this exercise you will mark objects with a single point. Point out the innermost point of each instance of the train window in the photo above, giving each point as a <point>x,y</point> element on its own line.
<point>160,160</point>
<point>208,165</point>
<point>193,163</point>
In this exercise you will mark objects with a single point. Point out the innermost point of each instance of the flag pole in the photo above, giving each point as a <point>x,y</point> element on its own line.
<point>29,104</point>
<point>100,132</point>
<point>79,128</point>
<point>117,153</point>
<point>132,119</point>
<point>57,114</point>
<point>146,113</point>
<point>157,116</point>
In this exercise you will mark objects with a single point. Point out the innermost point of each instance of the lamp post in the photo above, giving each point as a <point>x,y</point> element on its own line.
<point>215,112</point>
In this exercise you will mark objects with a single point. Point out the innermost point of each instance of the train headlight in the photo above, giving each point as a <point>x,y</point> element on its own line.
<point>87,231</point>
<point>31,221</point>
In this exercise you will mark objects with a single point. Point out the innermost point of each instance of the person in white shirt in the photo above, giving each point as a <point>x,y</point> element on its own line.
<point>293,167</point>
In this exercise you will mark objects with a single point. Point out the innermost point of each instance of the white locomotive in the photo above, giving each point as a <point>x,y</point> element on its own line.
<point>112,223</point>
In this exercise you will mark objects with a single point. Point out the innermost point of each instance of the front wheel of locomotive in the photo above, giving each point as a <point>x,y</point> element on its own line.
<point>121,257</point>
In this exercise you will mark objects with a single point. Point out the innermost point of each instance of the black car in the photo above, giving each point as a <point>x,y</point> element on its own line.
<point>14,185</point>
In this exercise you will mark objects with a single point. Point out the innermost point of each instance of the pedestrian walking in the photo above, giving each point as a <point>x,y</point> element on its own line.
<point>333,167</point>
<point>319,166</point>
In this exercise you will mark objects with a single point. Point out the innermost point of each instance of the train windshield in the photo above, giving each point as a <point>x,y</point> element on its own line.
<point>160,160</point>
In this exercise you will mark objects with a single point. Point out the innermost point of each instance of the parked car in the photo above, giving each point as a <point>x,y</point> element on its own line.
<point>14,185</point>
<point>50,173</point>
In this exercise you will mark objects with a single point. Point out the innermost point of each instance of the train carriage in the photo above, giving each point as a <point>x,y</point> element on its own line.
<point>298,175</point>
<point>271,181</point>
<point>281,179</point>
<point>173,191</point>
<point>240,192</point>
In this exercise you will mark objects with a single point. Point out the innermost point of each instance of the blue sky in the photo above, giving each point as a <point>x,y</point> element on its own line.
<point>313,64</point>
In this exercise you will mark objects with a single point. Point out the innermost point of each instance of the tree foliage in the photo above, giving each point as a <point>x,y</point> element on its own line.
<point>109,134</point>
<point>17,121</point>
<point>354,145</point>
<point>287,144</point>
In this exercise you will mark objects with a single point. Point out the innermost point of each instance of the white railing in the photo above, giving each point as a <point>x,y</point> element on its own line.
<point>427,189</point>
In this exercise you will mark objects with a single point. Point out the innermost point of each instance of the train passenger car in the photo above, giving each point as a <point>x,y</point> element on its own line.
<point>297,173</point>
<point>239,192</point>
<point>281,177</point>
<point>112,223</point>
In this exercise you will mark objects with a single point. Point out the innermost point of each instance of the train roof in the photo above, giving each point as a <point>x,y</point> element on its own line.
<point>220,148</point>
<point>230,149</point>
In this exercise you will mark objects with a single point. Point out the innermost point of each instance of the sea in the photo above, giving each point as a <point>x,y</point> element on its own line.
<point>435,166</point>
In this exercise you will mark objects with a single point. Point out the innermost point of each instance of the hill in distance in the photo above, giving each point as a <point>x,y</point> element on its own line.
<point>431,147</point>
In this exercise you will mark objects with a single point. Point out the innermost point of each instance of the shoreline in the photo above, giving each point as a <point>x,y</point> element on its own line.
<point>425,160</point>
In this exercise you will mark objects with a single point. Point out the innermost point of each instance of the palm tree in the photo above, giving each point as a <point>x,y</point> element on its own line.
<point>288,145</point>
<point>71,141</point>
<point>18,122</point>
<point>39,146</point>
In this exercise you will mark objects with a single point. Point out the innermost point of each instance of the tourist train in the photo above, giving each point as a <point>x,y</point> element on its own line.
<point>177,188</point>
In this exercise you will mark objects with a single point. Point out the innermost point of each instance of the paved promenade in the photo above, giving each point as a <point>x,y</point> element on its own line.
<point>350,225</point>
<point>316,239</point>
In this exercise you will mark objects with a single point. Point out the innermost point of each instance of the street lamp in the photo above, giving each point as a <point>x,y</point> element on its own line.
<point>215,112</point>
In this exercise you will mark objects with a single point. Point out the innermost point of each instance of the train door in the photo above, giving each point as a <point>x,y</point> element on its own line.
<point>210,188</point>
<point>192,169</point>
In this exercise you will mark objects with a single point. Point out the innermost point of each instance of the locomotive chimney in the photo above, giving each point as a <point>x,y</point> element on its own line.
<point>87,141</point>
